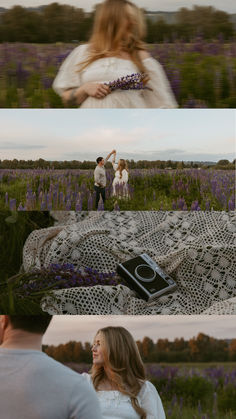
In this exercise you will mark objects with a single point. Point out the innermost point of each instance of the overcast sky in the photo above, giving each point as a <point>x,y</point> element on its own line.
<point>165,5</point>
<point>83,328</point>
<point>67,134</point>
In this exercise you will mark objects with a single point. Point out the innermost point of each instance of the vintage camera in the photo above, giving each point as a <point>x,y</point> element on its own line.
<point>147,278</point>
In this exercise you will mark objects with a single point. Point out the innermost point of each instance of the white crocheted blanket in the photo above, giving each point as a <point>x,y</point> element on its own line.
<point>197,249</point>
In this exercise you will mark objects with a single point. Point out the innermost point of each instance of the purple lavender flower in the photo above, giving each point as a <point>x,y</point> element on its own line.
<point>90,202</point>
<point>116,206</point>
<point>101,205</point>
<point>58,276</point>
<point>12,204</point>
<point>21,208</point>
<point>134,81</point>
<point>78,205</point>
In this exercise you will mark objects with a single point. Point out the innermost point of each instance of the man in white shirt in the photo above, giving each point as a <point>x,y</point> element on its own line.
<point>33,385</point>
<point>100,178</point>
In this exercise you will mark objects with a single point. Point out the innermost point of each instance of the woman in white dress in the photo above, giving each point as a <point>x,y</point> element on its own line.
<point>114,50</point>
<point>118,377</point>
<point>120,182</point>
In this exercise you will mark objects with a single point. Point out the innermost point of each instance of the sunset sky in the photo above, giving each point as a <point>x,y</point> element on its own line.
<point>152,134</point>
<point>166,5</point>
<point>83,328</point>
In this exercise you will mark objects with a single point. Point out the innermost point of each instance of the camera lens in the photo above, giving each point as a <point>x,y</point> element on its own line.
<point>145,273</point>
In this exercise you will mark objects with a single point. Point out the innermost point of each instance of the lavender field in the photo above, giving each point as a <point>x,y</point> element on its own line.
<point>202,74</point>
<point>204,391</point>
<point>192,391</point>
<point>148,189</point>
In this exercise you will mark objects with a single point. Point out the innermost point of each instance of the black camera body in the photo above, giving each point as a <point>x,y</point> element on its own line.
<point>147,278</point>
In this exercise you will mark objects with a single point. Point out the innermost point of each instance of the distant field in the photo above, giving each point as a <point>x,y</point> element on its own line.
<point>149,189</point>
<point>202,74</point>
<point>193,390</point>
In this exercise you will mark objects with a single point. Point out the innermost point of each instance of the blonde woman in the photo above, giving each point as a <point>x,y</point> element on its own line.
<point>114,50</point>
<point>120,182</point>
<point>118,377</point>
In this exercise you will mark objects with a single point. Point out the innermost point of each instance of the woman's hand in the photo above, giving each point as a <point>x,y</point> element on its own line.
<point>97,90</point>
<point>76,96</point>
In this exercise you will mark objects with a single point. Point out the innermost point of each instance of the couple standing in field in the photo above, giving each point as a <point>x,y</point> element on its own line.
<point>120,181</point>
<point>33,385</point>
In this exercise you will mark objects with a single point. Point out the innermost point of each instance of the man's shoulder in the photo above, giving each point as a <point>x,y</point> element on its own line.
<point>54,368</point>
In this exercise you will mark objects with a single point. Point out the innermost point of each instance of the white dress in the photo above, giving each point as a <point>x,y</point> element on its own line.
<point>116,405</point>
<point>120,184</point>
<point>110,69</point>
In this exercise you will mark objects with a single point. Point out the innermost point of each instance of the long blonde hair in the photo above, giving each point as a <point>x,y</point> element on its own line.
<point>110,35</point>
<point>123,366</point>
<point>122,164</point>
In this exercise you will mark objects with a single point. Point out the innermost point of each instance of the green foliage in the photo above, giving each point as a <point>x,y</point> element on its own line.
<point>194,390</point>
<point>14,230</point>
<point>56,22</point>
<point>9,304</point>
<point>175,412</point>
<point>227,398</point>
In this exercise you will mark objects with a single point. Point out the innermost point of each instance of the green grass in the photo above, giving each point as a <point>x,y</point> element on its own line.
<point>200,365</point>
<point>193,413</point>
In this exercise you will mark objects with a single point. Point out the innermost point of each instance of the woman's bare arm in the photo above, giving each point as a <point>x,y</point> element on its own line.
<point>114,157</point>
<point>76,96</point>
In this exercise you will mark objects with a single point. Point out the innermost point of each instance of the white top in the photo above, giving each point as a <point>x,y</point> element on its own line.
<point>110,69</point>
<point>124,175</point>
<point>35,386</point>
<point>116,405</point>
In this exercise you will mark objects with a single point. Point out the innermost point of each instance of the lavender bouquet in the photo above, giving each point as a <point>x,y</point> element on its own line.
<point>136,81</point>
<point>23,292</point>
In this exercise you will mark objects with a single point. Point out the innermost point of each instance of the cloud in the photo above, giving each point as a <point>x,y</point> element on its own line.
<point>7,145</point>
<point>101,137</point>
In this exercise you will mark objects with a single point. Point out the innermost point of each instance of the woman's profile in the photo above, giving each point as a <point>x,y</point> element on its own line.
<point>115,53</point>
<point>120,182</point>
<point>118,377</point>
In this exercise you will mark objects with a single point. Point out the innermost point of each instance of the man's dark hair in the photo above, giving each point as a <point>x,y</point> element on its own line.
<point>99,159</point>
<point>33,324</point>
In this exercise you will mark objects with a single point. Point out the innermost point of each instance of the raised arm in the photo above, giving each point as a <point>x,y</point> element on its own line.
<point>114,157</point>
<point>109,155</point>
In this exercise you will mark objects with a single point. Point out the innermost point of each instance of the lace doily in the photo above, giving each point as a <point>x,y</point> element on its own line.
<point>227,307</point>
<point>198,249</point>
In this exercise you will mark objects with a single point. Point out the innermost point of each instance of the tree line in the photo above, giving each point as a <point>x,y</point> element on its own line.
<point>201,348</point>
<point>90,165</point>
<point>64,23</point>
